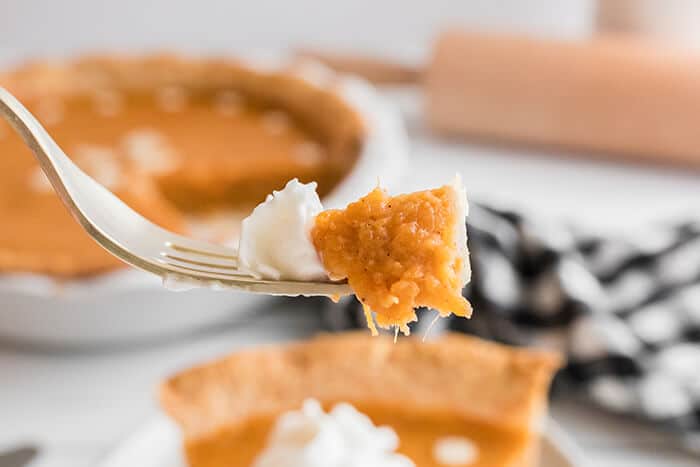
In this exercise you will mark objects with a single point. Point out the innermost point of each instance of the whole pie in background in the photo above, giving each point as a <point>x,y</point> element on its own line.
<point>177,139</point>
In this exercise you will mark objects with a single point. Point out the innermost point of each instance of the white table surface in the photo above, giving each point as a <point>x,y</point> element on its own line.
<point>76,406</point>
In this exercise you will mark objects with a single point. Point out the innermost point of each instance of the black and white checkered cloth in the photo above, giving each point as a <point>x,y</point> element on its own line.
<point>625,311</point>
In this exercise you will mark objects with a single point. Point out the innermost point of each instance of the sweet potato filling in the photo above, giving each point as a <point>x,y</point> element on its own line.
<point>398,253</point>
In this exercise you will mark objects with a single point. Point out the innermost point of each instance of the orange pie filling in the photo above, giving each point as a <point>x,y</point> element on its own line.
<point>425,438</point>
<point>399,252</point>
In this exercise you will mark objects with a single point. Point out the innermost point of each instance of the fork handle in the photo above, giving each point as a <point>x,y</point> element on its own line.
<point>47,153</point>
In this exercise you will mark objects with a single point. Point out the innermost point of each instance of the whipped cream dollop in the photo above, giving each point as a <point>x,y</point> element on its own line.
<point>343,437</point>
<point>275,241</point>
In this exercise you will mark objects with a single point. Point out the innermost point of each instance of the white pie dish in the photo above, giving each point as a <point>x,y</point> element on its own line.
<point>129,305</point>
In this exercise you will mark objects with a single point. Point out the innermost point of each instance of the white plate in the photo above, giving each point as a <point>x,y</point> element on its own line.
<point>158,444</point>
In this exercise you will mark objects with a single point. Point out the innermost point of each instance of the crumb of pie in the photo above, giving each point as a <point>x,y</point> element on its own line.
<point>399,253</point>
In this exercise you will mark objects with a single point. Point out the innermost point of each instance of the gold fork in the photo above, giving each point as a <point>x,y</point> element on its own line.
<point>134,239</point>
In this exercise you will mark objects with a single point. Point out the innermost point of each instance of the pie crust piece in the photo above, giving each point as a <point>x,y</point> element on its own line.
<point>226,407</point>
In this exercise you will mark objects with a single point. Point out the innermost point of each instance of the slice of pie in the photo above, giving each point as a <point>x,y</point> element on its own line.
<point>438,396</point>
<point>174,137</point>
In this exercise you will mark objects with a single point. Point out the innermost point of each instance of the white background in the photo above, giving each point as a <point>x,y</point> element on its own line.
<point>385,26</point>
<point>77,405</point>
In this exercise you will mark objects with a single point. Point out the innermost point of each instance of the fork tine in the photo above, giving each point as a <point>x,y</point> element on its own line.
<point>251,284</point>
<point>189,262</point>
<point>205,249</point>
<point>205,272</point>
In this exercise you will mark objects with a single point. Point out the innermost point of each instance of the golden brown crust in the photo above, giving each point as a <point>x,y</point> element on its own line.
<point>326,116</point>
<point>459,374</point>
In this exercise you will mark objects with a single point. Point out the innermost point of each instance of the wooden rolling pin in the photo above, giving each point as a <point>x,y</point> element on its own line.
<point>605,96</point>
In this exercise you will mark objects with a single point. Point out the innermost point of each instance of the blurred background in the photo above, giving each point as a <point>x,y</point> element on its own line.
<point>403,31</point>
<point>388,27</point>
<point>610,193</point>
